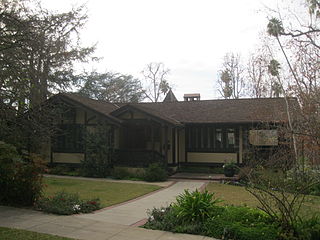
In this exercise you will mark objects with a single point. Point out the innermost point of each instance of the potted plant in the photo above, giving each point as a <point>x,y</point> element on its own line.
<point>229,169</point>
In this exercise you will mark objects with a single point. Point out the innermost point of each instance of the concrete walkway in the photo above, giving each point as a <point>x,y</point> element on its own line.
<point>113,223</point>
<point>135,211</point>
<point>81,228</point>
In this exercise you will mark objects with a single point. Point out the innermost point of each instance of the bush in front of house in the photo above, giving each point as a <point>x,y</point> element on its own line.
<point>202,216</point>
<point>20,177</point>
<point>63,203</point>
<point>195,206</point>
<point>155,173</point>
<point>197,213</point>
<point>99,152</point>
<point>238,223</point>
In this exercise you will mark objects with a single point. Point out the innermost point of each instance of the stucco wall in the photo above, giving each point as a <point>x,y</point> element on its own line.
<point>211,157</point>
<point>67,157</point>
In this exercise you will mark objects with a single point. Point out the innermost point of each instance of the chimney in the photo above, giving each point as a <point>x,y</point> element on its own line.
<point>191,97</point>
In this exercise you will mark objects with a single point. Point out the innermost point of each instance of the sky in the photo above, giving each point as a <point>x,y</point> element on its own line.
<point>190,37</point>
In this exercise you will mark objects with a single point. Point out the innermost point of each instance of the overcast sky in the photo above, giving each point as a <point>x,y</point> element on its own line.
<point>189,36</point>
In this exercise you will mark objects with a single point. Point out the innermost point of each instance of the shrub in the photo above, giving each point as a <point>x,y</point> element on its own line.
<point>120,173</point>
<point>228,222</point>
<point>21,178</point>
<point>99,152</point>
<point>229,169</point>
<point>309,228</point>
<point>195,206</point>
<point>155,172</point>
<point>63,203</point>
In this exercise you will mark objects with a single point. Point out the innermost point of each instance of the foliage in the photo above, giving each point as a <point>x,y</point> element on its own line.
<point>112,87</point>
<point>238,223</point>
<point>155,172</point>
<point>241,223</point>
<point>99,151</point>
<point>63,169</point>
<point>281,195</point>
<point>230,169</point>
<point>304,178</point>
<point>42,47</point>
<point>18,234</point>
<point>195,206</point>
<point>63,203</point>
<point>20,178</point>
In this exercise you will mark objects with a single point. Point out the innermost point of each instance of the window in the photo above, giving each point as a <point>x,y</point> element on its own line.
<point>69,138</point>
<point>209,139</point>
<point>218,138</point>
<point>230,138</point>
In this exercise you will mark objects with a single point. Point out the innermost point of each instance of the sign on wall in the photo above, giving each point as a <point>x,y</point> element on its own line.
<point>263,137</point>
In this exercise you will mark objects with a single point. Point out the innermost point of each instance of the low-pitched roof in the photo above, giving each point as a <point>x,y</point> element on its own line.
<point>253,110</point>
<point>225,111</point>
<point>102,107</point>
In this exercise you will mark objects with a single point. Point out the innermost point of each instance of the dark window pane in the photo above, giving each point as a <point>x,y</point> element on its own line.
<point>230,138</point>
<point>218,138</point>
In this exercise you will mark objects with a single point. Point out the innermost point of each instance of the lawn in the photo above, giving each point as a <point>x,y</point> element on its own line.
<point>109,193</point>
<point>239,196</point>
<point>11,233</point>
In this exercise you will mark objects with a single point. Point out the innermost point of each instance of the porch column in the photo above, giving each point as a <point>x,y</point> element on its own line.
<point>177,146</point>
<point>166,143</point>
<point>240,144</point>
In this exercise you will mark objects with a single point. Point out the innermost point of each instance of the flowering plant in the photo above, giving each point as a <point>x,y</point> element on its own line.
<point>63,203</point>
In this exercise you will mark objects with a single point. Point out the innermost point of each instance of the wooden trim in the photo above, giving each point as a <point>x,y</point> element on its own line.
<point>166,143</point>
<point>74,102</point>
<point>178,146</point>
<point>173,145</point>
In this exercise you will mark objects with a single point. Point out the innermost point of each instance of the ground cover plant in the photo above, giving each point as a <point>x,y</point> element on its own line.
<point>201,213</point>
<point>17,234</point>
<point>109,193</point>
<point>63,203</point>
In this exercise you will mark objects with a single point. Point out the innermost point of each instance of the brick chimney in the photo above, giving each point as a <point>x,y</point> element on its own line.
<point>191,97</point>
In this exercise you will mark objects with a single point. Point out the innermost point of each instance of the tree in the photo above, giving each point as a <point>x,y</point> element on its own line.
<point>257,76</point>
<point>112,87</point>
<point>156,83</point>
<point>231,77</point>
<point>38,51</point>
<point>300,49</point>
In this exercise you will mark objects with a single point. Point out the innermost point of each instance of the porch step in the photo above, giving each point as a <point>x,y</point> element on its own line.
<point>203,176</point>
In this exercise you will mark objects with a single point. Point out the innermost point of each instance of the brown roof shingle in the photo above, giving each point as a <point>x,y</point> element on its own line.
<point>102,107</point>
<point>252,110</point>
<point>224,111</point>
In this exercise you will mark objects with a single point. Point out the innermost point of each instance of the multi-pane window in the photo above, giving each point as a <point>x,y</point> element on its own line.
<point>218,138</point>
<point>69,138</point>
<point>230,138</point>
<point>211,139</point>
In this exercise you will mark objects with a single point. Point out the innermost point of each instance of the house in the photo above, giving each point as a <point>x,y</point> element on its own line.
<point>189,132</point>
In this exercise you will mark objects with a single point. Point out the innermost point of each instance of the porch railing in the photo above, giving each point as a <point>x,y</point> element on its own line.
<point>137,158</point>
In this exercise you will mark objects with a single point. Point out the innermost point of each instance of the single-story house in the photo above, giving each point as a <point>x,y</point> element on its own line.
<point>193,131</point>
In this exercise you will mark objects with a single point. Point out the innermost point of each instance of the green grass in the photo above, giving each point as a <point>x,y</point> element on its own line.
<point>11,233</point>
<point>239,196</point>
<point>109,193</point>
